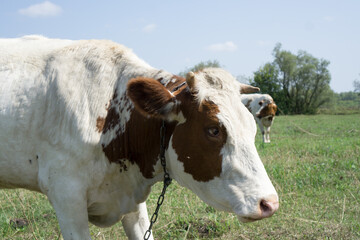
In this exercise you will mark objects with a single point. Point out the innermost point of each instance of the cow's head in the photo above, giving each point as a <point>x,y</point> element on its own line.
<point>212,149</point>
<point>267,110</point>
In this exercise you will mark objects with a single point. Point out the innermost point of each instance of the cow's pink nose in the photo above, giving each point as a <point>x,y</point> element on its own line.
<point>268,207</point>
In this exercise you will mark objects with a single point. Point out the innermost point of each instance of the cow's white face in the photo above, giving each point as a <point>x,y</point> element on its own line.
<point>212,149</point>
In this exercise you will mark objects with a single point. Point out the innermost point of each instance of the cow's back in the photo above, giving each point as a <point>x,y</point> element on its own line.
<point>52,94</point>
<point>23,80</point>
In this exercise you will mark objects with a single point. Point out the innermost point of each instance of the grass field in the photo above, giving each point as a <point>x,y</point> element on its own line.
<point>313,161</point>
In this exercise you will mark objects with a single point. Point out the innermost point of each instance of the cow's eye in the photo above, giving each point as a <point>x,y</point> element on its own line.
<point>213,131</point>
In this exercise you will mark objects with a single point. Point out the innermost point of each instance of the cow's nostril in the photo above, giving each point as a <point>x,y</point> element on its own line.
<point>264,207</point>
<point>268,207</point>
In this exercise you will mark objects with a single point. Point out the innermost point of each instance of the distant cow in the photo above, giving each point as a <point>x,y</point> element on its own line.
<point>263,108</point>
<point>80,122</point>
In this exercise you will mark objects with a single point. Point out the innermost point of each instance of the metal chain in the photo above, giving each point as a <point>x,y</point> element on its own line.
<point>167,181</point>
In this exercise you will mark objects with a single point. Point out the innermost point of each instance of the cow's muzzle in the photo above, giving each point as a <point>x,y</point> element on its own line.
<point>266,208</point>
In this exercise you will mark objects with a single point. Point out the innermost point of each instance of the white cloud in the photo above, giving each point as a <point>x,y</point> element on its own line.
<point>45,9</point>
<point>221,47</point>
<point>149,28</point>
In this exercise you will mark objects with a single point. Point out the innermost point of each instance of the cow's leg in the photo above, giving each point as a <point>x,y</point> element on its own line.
<point>69,201</point>
<point>262,132</point>
<point>258,121</point>
<point>267,134</point>
<point>136,223</point>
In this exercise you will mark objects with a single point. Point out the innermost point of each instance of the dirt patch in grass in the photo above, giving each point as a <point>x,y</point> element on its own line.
<point>202,228</point>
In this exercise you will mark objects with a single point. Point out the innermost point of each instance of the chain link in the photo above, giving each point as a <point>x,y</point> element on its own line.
<point>167,181</point>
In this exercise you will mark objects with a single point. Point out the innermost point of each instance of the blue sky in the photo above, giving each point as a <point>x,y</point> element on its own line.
<point>174,35</point>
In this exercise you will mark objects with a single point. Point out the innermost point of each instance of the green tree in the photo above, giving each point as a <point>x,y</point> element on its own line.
<point>267,79</point>
<point>200,66</point>
<point>348,96</point>
<point>311,82</point>
<point>298,83</point>
<point>356,85</point>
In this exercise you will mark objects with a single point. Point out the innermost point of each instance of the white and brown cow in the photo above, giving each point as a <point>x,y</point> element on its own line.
<point>80,122</point>
<point>263,108</point>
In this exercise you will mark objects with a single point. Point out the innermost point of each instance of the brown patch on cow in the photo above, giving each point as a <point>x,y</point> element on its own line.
<point>112,118</point>
<point>199,153</point>
<point>100,122</point>
<point>269,110</point>
<point>139,143</point>
<point>247,105</point>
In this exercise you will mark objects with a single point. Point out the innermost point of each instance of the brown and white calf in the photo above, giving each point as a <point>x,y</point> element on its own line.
<point>80,122</point>
<point>263,108</point>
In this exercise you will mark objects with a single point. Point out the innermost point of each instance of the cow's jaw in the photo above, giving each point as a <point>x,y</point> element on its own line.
<point>246,185</point>
<point>235,191</point>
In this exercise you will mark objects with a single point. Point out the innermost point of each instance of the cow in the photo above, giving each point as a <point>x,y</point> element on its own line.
<point>263,108</point>
<point>80,122</point>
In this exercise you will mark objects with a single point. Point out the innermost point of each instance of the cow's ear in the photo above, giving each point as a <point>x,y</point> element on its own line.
<point>151,98</point>
<point>244,88</point>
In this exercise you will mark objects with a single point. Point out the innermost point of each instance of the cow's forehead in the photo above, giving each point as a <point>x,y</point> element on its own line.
<point>221,88</point>
<point>215,84</point>
<point>267,98</point>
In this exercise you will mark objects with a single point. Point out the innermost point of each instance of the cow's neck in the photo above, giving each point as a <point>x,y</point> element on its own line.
<point>139,144</point>
<point>128,137</point>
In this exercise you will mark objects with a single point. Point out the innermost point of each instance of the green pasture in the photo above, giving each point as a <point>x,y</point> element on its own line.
<point>313,162</point>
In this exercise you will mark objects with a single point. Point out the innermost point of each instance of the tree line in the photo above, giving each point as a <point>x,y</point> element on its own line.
<point>299,83</point>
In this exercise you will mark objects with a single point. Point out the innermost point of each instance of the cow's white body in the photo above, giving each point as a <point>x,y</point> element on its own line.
<point>47,126</point>
<point>52,95</point>
<point>263,108</point>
